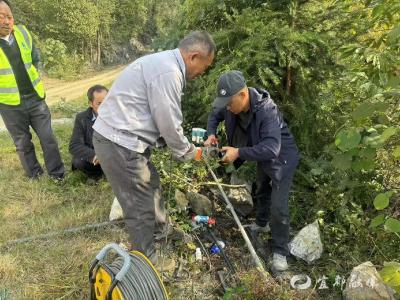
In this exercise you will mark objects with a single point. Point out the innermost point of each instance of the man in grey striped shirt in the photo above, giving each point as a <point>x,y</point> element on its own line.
<point>143,110</point>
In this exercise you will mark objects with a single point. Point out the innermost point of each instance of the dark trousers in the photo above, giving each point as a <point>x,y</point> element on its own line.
<point>91,170</point>
<point>273,207</point>
<point>136,184</point>
<point>35,114</point>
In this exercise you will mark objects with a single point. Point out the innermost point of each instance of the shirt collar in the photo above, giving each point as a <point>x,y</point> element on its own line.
<point>181,63</point>
<point>93,117</point>
<point>7,38</point>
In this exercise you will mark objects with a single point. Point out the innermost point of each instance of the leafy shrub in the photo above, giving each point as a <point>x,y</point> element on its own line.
<point>58,62</point>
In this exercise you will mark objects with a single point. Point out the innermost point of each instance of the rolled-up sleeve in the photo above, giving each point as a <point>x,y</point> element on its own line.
<point>164,96</point>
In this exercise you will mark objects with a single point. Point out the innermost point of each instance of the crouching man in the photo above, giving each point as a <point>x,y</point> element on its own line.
<point>81,147</point>
<point>257,132</point>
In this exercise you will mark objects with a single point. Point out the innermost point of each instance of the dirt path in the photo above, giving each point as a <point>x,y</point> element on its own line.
<point>57,89</point>
<point>70,90</point>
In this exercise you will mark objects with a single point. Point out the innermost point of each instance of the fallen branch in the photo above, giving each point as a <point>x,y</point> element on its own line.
<point>236,186</point>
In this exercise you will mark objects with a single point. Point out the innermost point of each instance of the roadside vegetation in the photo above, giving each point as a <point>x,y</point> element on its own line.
<point>332,67</point>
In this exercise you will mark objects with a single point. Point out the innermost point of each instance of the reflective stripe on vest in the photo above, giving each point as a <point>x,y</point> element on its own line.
<point>9,93</point>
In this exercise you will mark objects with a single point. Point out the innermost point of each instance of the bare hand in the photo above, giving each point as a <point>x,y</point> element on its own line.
<point>211,141</point>
<point>95,160</point>
<point>231,154</point>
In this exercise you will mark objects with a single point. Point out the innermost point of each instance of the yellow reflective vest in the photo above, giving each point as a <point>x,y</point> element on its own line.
<point>9,93</point>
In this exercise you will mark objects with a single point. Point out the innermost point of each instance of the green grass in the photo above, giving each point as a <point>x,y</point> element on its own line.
<point>55,268</point>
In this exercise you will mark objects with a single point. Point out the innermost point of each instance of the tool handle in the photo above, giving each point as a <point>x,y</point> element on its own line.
<point>125,255</point>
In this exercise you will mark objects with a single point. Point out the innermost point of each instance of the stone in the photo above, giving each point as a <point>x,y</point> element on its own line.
<point>364,283</point>
<point>241,198</point>
<point>116,212</point>
<point>181,200</point>
<point>307,244</point>
<point>200,204</point>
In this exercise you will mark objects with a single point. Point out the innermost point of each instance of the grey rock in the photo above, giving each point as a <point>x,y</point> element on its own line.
<point>200,204</point>
<point>241,197</point>
<point>364,283</point>
<point>181,200</point>
<point>307,244</point>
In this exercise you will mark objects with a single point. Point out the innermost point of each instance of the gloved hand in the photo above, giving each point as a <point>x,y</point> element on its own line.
<point>211,141</point>
<point>194,153</point>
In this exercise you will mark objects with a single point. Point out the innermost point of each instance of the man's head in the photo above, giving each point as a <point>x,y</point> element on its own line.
<point>96,95</point>
<point>198,51</point>
<point>6,18</point>
<point>232,92</point>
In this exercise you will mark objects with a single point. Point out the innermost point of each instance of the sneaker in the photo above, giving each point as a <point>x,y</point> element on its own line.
<point>254,227</point>
<point>164,264</point>
<point>279,263</point>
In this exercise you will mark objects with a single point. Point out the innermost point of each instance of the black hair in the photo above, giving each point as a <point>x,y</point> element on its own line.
<point>95,88</point>
<point>198,41</point>
<point>6,2</point>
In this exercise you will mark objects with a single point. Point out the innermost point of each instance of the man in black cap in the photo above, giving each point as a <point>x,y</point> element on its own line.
<point>256,131</point>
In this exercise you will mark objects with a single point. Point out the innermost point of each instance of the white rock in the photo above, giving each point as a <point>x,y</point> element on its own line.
<point>307,244</point>
<point>116,212</point>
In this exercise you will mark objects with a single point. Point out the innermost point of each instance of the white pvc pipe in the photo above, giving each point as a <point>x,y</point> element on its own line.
<point>253,253</point>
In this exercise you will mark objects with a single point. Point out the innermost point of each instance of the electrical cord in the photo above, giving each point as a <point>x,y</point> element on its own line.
<point>141,282</point>
<point>132,273</point>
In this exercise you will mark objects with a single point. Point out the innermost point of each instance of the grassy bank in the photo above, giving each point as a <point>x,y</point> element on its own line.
<point>55,268</point>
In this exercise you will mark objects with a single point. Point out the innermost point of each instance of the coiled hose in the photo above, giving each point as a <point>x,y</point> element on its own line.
<point>131,276</point>
<point>141,282</point>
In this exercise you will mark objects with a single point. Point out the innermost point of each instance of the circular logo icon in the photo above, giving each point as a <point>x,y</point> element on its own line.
<point>222,92</point>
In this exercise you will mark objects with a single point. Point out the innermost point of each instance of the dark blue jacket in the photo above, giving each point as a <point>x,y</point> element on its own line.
<point>81,145</point>
<point>273,145</point>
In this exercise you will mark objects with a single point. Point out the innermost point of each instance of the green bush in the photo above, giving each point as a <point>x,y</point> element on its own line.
<point>57,62</point>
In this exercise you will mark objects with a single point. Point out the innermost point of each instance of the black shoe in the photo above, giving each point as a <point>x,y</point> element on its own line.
<point>58,179</point>
<point>36,176</point>
<point>91,181</point>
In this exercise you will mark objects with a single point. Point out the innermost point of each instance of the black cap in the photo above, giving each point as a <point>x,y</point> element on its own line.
<point>228,85</point>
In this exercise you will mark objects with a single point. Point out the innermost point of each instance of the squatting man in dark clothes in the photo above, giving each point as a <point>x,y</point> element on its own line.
<point>81,147</point>
<point>22,96</point>
<point>143,110</point>
<point>257,132</point>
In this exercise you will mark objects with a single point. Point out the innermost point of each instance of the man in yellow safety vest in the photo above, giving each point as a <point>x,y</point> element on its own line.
<point>21,98</point>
